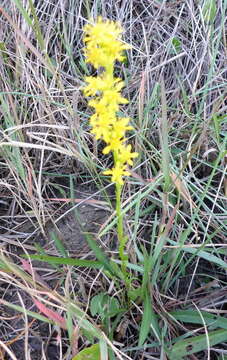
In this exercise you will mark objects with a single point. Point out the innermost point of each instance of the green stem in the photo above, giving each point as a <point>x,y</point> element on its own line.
<point>121,238</point>
<point>120,230</point>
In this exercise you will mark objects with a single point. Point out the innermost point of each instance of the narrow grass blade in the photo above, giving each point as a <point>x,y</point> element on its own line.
<point>103,350</point>
<point>195,344</point>
<point>23,11</point>
<point>100,255</point>
<point>59,244</point>
<point>202,253</point>
<point>192,317</point>
<point>164,129</point>
<point>28,312</point>
<point>50,314</point>
<point>149,321</point>
<point>66,261</point>
<point>144,193</point>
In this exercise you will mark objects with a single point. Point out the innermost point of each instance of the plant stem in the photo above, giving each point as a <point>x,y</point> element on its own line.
<point>164,134</point>
<point>120,232</point>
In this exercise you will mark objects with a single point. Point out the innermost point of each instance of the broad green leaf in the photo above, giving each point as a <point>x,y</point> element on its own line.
<point>135,293</point>
<point>90,353</point>
<point>96,304</point>
<point>104,305</point>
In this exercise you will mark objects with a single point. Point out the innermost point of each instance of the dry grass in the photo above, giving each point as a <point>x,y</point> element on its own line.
<point>175,200</point>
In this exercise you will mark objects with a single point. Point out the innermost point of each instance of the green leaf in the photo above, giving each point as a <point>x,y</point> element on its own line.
<point>33,314</point>
<point>176,44</point>
<point>96,304</point>
<point>193,317</point>
<point>66,261</point>
<point>113,306</point>
<point>135,293</point>
<point>201,253</point>
<point>23,11</point>
<point>209,11</point>
<point>59,244</point>
<point>104,305</point>
<point>149,321</point>
<point>90,353</point>
<point>195,344</point>
<point>99,253</point>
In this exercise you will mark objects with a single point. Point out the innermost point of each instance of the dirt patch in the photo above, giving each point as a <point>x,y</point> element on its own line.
<point>69,227</point>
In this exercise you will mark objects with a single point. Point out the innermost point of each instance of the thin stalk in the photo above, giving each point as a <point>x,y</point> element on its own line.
<point>120,230</point>
<point>164,130</point>
<point>121,238</point>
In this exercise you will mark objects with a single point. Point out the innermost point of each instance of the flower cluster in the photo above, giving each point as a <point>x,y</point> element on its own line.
<point>103,48</point>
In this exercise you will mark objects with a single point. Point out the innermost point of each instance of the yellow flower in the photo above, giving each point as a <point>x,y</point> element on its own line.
<point>117,173</point>
<point>101,126</point>
<point>121,126</point>
<point>113,97</point>
<point>126,155</point>
<point>101,84</point>
<point>98,105</point>
<point>115,143</point>
<point>109,101</point>
<point>102,46</point>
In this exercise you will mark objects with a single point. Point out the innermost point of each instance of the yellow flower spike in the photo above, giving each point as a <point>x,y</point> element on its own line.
<point>103,46</point>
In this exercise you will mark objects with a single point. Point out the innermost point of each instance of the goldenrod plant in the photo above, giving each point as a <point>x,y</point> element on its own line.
<point>103,47</point>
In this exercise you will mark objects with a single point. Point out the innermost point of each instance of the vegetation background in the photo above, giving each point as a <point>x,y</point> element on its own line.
<point>174,202</point>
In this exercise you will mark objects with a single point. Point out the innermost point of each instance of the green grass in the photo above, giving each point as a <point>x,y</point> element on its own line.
<point>174,202</point>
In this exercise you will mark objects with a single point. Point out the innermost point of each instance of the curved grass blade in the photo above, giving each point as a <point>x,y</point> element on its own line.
<point>193,317</point>
<point>66,261</point>
<point>195,344</point>
<point>149,321</point>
